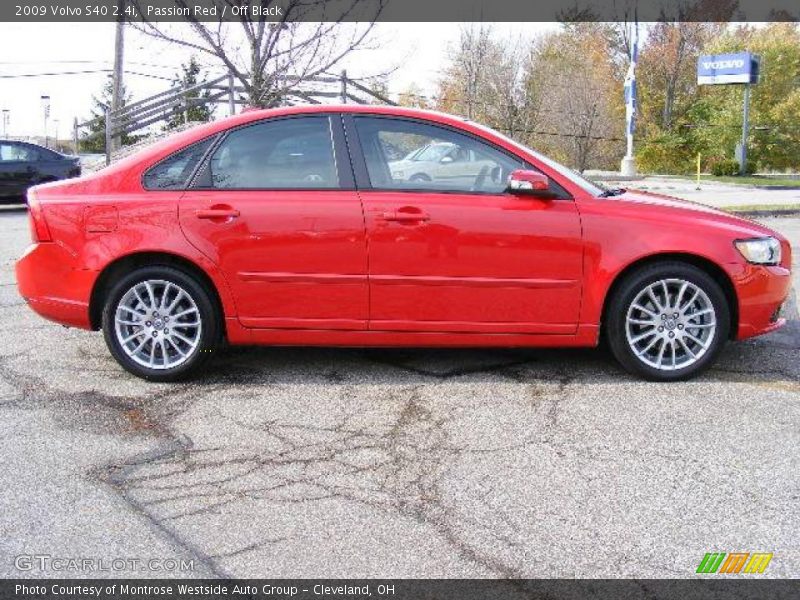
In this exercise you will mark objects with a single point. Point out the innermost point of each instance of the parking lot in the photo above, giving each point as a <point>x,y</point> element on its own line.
<point>307,462</point>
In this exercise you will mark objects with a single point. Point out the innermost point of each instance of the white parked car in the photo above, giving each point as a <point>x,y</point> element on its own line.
<point>443,162</point>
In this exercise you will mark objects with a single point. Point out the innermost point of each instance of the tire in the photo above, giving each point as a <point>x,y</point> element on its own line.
<point>128,311</point>
<point>420,177</point>
<point>641,321</point>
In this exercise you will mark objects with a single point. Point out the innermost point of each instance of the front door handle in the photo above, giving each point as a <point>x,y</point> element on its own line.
<point>223,214</point>
<point>406,215</point>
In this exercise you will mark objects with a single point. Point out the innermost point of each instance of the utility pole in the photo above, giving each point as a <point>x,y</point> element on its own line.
<point>46,111</point>
<point>6,120</point>
<point>231,95</point>
<point>117,89</point>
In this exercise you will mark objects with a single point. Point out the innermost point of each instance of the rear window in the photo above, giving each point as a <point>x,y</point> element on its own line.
<point>18,153</point>
<point>173,172</point>
<point>293,153</point>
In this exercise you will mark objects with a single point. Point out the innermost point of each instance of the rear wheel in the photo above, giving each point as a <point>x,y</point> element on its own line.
<point>668,321</point>
<point>160,323</point>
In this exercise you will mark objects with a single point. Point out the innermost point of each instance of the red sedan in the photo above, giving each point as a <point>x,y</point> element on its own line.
<point>375,226</point>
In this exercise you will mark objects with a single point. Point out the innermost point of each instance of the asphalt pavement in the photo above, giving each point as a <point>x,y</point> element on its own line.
<point>308,462</point>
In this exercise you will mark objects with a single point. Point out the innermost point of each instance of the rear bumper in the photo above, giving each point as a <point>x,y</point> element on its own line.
<point>761,292</point>
<point>51,285</point>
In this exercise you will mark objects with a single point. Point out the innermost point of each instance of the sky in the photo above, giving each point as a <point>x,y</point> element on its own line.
<point>419,51</point>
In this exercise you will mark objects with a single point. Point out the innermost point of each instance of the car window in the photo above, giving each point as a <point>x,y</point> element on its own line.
<point>48,154</point>
<point>292,153</point>
<point>173,172</point>
<point>18,152</point>
<point>402,155</point>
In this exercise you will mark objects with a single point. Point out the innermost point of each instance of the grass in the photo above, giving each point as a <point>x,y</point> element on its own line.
<point>765,208</point>
<point>752,180</point>
<point>758,180</point>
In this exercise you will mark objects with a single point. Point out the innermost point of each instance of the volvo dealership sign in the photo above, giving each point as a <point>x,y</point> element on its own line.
<point>741,67</point>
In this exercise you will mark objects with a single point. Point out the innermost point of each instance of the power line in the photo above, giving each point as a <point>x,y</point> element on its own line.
<point>87,72</point>
<point>28,75</point>
<point>81,62</point>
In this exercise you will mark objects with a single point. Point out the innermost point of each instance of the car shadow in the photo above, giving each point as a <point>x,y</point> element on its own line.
<point>406,366</point>
<point>771,357</point>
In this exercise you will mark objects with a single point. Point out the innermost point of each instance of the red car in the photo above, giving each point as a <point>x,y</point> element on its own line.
<point>300,226</point>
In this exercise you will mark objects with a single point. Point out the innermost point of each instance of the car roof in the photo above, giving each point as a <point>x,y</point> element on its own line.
<point>26,143</point>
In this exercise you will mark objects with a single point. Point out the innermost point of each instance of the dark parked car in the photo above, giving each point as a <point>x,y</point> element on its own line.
<point>23,165</point>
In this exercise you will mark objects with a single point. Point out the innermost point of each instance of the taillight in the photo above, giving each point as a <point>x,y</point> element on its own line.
<point>39,230</point>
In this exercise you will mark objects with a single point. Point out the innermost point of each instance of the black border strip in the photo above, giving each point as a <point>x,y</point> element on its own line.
<point>396,11</point>
<point>711,588</point>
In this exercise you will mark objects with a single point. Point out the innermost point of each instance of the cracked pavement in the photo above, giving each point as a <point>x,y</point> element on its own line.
<point>307,462</point>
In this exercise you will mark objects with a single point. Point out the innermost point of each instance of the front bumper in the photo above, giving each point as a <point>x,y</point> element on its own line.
<point>51,285</point>
<point>761,292</point>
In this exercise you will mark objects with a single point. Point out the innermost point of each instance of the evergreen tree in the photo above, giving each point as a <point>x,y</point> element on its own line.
<point>95,140</point>
<point>189,77</point>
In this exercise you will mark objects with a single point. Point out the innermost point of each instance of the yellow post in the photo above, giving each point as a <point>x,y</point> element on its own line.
<point>698,170</point>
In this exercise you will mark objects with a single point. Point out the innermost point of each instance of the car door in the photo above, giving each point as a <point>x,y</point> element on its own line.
<point>451,256</point>
<point>17,169</point>
<point>275,207</point>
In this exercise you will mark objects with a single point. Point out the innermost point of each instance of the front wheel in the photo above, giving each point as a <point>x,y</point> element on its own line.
<point>160,323</point>
<point>668,321</point>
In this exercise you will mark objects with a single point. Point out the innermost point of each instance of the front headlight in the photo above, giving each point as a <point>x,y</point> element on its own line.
<point>760,251</point>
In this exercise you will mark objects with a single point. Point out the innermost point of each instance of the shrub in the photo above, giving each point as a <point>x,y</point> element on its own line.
<point>667,153</point>
<point>728,166</point>
<point>725,166</point>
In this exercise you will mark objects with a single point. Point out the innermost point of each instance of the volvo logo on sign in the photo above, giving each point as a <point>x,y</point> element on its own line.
<point>727,68</point>
<point>713,65</point>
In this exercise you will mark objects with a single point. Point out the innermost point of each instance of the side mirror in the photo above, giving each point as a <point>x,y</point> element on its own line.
<point>446,160</point>
<point>529,183</point>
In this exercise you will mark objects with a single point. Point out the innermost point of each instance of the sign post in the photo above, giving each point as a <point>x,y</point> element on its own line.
<point>745,124</point>
<point>628,166</point>
<point>724,69</point>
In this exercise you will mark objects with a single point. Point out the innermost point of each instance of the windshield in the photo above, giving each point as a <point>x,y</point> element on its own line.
<point>588,186</point>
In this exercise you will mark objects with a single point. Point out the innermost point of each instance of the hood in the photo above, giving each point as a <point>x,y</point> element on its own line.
<point>680,211</point>
<point>661,200</point>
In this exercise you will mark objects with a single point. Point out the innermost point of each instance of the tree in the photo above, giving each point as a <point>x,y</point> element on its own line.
<point>484,82</point>
<point>199,113</point>
<point>413,97</point>
<point>559,94</point>
<point>775,125</point>
<point>270,59</point>
<point>573,75</point>
<point>667,65</point>
<point>95,140</point>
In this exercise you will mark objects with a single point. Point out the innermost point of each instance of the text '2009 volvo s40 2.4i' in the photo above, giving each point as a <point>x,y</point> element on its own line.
<point>377,226</point>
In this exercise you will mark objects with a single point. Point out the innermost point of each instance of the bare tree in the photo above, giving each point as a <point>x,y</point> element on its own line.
<point>484,81</point>
<point>474,49</point>
<point>572,75</point>
<point>269,59</point>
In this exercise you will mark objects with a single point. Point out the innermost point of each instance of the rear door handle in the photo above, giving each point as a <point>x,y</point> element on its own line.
<point>217,213</point>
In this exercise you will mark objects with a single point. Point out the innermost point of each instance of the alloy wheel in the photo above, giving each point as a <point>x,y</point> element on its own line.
<point>670,324</point>
<point>157,324</point>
